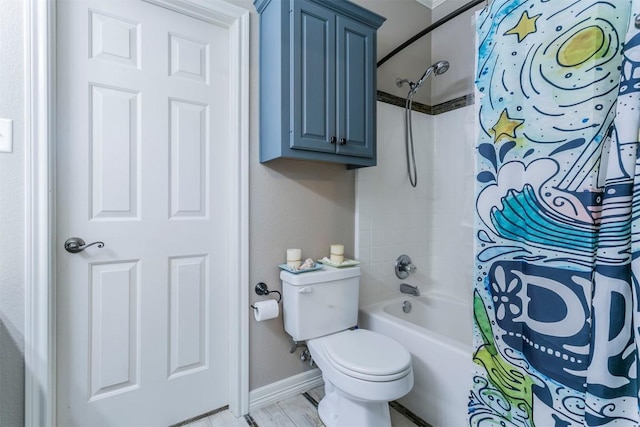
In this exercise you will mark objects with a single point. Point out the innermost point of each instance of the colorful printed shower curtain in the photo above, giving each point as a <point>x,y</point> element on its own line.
<point>557,280</point>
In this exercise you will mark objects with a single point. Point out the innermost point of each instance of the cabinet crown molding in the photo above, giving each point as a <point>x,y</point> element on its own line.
<point>340,6</point>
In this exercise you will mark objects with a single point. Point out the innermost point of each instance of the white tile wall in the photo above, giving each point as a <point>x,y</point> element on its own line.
<point>432,223</point>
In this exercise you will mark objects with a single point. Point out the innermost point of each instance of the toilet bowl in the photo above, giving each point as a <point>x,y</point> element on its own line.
<point>362,370</point>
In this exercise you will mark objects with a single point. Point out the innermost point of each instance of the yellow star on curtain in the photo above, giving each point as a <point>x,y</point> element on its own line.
<point>505,126</point>
<point>524,27</point>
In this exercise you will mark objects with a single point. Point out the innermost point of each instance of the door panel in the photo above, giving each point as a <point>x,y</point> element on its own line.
<point>114,39</point>
<point>189,311</point>
<point>356,87</point>
<point>143,134</point>
<point>115,328</point>
<point>188,165</point>
<point>115,152</point>
<point>313,77</point>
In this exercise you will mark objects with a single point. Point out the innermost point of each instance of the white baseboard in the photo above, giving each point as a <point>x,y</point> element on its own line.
<point>283,389</point>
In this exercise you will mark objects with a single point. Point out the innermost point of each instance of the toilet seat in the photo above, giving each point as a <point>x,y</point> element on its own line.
<point>366,355</point>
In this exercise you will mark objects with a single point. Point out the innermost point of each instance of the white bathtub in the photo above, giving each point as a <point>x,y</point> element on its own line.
<point>437,332</point>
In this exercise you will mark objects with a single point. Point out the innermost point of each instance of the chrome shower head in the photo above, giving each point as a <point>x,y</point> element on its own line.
<point>439,67</point>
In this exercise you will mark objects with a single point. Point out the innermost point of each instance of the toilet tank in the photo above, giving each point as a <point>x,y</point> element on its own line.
<point>320,302</point>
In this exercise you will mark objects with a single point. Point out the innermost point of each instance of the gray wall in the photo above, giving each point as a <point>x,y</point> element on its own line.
<point>293,204</point>
<point>311,205</point>
<point>455,42</point>
<point>404,19</point>
<point>12,217</point>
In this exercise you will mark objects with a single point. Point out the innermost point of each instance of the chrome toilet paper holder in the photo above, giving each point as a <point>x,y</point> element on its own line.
<point>262,289</point>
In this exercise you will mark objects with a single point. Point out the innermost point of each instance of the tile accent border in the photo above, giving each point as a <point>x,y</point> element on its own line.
<point>201,416</point>
<point>394,404</point>
<point>432,110</point>
<point>250,421</point>
<point>310,399</point>
<point>454,104</point>
<point>409,415</point>
<point>400,102</point>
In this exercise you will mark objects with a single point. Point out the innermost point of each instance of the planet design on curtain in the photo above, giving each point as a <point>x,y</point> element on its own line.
<point>557,297</point>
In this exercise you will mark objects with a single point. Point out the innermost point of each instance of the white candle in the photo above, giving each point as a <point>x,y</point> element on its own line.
<point>337,254</point>
<point>294,257</point>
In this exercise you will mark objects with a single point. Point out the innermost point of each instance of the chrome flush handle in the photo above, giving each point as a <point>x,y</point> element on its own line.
<point>76,244</point>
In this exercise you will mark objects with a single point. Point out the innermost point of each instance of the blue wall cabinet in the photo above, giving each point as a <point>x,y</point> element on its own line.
<point>318,81</point>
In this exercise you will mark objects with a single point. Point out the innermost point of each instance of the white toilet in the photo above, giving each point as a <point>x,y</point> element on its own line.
<point>362,370</point>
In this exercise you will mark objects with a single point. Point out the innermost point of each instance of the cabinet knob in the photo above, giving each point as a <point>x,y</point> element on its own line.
<point>333,140</point>
<point>343,141</point>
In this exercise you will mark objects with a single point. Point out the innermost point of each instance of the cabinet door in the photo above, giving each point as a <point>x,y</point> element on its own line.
<point>313,91</point>
<point>356,88</point>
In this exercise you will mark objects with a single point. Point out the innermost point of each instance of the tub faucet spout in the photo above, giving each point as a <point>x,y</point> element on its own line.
<point>405,288</point>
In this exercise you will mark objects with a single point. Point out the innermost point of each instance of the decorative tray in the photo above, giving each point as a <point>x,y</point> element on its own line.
<point>285,267</point>
<point>345,263</point>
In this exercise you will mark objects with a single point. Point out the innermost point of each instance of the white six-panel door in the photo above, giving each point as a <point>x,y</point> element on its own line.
<point>142,134</point>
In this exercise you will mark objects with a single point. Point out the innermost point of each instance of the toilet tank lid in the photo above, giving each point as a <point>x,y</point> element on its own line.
<point>327,274</point>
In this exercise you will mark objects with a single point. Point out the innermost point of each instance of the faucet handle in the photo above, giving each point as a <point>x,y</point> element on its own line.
<point>404,267</point>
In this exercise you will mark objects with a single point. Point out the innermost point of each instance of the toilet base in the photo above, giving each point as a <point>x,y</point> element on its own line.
<point>338,409</point>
